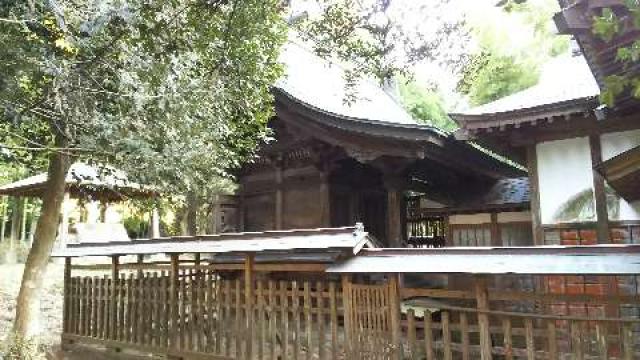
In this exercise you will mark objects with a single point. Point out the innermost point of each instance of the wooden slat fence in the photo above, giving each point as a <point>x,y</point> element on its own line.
<point>291,319</point>
<point>203,314</point>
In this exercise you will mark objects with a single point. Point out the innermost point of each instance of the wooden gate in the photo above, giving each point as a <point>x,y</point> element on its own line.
<point>369,320</point>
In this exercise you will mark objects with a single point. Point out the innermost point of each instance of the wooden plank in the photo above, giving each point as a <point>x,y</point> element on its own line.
<point>394,316</point>
<point>308,320</point>
<point>333,310</point>
<point>122,289</point>
<point>428,336</point>
<point>576,341</point>
<point>173,302</point>
<point>321,319</point>
<point>66,313</point>
<point>552,340</point>
<point>249,278</point>
<point>508,339</point>
<point>482,303</point>
<point>411,334</point>
<point>296,319</point>
<point>129,316</point>
<point>261,336</point>
<point>238,325</point>
<point>627,341</point>
<point>113,310</point>
<point>464,335</point>
<point>601,335</point>
<point>284,310</point>
<point>446,335</point>
<point>105,307</point>
<point>531,351</point>
<point>273,314</point>
<point>227,325</point>
<point>95,300</point>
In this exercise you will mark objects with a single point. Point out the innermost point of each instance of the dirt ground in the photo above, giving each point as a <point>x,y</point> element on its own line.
<point>50,320</point>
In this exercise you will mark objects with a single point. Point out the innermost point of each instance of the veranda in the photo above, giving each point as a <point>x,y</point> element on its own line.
<point>329,294</point>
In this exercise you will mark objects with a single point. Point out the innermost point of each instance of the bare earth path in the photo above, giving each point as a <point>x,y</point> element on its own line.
<point>51,304</point>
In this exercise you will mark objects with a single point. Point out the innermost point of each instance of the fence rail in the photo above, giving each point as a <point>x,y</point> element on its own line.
<point>201,312</point>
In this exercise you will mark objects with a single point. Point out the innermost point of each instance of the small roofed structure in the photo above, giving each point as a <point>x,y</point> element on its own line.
<point>83,181</point>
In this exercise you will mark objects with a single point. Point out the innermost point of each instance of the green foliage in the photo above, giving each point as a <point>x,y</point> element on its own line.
<point>148,87</point>
<point>513,43</point>
<point>489,77</point>
<point>426,106</point>
<point>607,27</point>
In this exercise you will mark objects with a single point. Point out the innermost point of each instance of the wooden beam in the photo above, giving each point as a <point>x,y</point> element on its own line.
<point>347,309</point>
<point>66,292</point>
<point>482,303</point>
<point>602,216</point>
<point>534,191</point>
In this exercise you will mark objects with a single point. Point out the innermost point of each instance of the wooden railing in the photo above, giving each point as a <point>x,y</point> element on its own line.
<point>199,311</point>
<point>204,314</point>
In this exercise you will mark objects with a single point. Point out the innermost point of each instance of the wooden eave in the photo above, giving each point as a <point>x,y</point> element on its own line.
<point>377,139</point>
<point>79,190</point>
<point>577,20</point>
<point>622,173</point>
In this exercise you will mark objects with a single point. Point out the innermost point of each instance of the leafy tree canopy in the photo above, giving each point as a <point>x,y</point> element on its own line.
<point>425,105</point>
<point>504,62</point>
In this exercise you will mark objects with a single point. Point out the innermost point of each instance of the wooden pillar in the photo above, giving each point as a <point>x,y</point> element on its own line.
<point>140,261</point>
<point>495,230</point>
<point>482,303</point>
<point>66,293</point>
<point>103,212</point>
<point>394,316</point>
<point>173,302</point>
<point>155,223</point>
<point>325,200</point>
<point>279,200</point>
<point>216,214</point>
<point>394,217</point>
<point>536,220</point>
<point>240,215</point>
<point>248,299</point>
<point>602,227</point>
<point>113,301</point>
<point>347,314</point>
<point>16,220</point>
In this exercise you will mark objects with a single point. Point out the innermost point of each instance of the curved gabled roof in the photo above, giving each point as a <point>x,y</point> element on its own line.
<point>321,84</point>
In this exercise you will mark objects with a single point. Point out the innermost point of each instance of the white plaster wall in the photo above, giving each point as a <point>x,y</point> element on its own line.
<point>474,219</point>
<point>614,144</point>
<point>514,216</point>
<point>564,170</point>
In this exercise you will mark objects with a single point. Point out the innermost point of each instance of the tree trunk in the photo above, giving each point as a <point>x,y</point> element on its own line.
<point>192,213</point>
<point>3,223</point>
<point>28,302</point>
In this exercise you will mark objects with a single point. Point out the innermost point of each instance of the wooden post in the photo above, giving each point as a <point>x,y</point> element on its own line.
<point>23,220</point>
<point>394,217</point>
<point>482,303</point>
<point>66,297</point>
<point>173,302</point>
<point>113,301</point>
<point>394,316</point>
<point>347,313</point>
<point>536,220</point>
<point>325,200</point>
<point>3,220</point>
<point>140,261</point>
<point>602,215</point>
<point>248,299</point>
<point>103,211</point>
